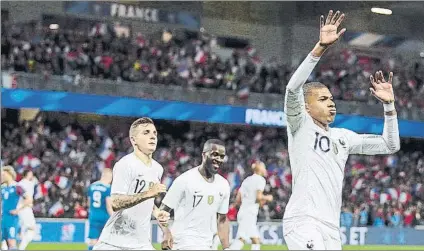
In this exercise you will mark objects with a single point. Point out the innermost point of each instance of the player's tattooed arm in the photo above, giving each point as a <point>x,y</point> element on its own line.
<point>224,230</point>
<point>123,201</point>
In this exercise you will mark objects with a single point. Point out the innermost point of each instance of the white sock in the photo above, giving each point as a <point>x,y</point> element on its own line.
<point>4,245</point>
<point>256,247</point>
<point>26,239</point>
<point>236,245</point>
<point>215,242</point>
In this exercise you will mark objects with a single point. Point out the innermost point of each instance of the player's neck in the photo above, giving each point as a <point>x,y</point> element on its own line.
<point>321,125</point>
<point>145,158</point>
<point>209,177</point>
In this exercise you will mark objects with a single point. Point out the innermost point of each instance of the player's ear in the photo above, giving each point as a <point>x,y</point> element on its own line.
<point>307,106</point>
<point>133,141</point>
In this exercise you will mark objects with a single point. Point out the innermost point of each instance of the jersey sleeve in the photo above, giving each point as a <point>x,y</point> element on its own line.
<point>261,184</point>
<point>371,144</point>
<point>121,180</point>
<point>29,190</point>
<point>160,173</point>
<point>294,102</point>
<point>20,191</point>
<point>175,193</point>
<point>223,208</point>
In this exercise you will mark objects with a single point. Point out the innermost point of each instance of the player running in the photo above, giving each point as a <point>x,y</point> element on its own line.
<point>26,215</point>
<point>250,196</point>
<point>135,184</point>
<point>11,194</point>
<point>197,196</point>
<point>100,208</point>
<point>318,153</point>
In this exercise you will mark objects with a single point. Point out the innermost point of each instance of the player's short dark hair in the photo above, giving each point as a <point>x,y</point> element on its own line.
<point>308,87</point>
<point>210,142</point>
<point>26,172</point>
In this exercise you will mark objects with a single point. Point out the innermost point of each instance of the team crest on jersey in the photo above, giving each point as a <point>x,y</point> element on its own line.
<point>336,151</point>
<point>210,199</point>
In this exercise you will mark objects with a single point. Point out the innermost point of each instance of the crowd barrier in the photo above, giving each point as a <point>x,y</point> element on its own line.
<point>271,233</point>
<point>183,111</point>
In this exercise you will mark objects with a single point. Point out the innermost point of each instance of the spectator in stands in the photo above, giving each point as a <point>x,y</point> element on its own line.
<point>66,156</point>
<point>100,53</point>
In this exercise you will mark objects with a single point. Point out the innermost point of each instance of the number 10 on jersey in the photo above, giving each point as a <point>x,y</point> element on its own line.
<point>323,142</point>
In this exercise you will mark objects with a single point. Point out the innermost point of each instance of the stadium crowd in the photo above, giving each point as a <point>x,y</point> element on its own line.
<point>68,153</point>
<point>100,53</point>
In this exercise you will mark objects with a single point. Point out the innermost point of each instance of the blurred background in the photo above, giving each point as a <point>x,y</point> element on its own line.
<point>76,74</point>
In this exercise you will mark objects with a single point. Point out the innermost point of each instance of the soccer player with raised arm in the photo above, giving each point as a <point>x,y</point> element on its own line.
<point>26,215</point>
<point>100,206</point>
<point>251,197</point>
<point>11,193</point>
<point>318,153</point>
<point>135,184</point>
<point>197,196</point>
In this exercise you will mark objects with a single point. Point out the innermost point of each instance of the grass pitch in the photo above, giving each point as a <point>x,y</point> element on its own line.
<point>81,246</point>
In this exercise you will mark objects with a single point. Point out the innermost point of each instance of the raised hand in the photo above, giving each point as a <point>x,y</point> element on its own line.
<point>328,34</point>
<point>382,89</point>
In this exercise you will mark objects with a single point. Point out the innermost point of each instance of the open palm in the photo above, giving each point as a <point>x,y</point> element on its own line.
<point>382,89</point>
<point>328,30</point>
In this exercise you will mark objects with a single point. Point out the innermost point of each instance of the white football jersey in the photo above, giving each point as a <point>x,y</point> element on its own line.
<point>29,188</point>
<point>318,157</point>
<point>195,202</point>
<point>248,190</point>
<point>131,228</point>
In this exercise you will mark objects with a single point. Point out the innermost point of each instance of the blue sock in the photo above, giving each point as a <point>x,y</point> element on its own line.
<point>90,247</point>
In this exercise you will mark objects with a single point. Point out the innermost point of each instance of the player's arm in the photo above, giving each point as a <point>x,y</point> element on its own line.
<point>262,199</point>
<point>294,104</point>
<point>123,201</point>
<point>174,195</point>
<point>121,185</point>
<point>223,224</point>
<point>238,198</point>
<point>389,141</point>
<point>109,206</point>
<point>224,230</point>
<point>27,200</point>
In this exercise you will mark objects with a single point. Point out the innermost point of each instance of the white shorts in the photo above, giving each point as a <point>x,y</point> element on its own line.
<point>27,220</point>
<point>189,243</point>
<point>247,227</point>
<point>310,234</point>
<point>190,247</point>
<point>104,246</point>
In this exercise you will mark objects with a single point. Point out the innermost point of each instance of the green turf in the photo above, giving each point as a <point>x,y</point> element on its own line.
<point>72,246</point>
